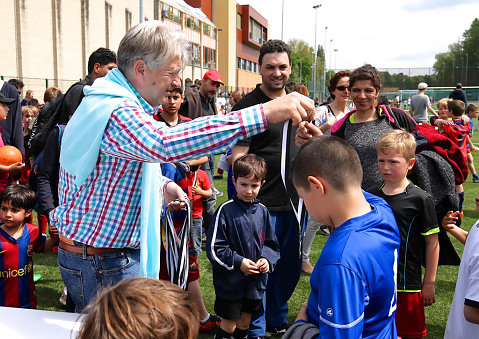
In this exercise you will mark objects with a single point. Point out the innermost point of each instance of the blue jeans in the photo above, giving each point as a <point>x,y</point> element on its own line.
<point>196,235</point>
<point>86,275</point>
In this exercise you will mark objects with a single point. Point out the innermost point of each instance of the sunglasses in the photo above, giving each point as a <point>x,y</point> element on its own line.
<point>342,88</point>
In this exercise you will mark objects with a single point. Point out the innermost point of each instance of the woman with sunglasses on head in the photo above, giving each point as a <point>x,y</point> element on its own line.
<point>327,115</point>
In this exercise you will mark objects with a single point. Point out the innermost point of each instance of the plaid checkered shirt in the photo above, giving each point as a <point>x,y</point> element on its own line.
<point>105,210</point>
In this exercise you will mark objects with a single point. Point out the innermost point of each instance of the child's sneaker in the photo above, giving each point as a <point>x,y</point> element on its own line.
<point>211,324</point>
<point>475,178</point>
<point>276,331</point>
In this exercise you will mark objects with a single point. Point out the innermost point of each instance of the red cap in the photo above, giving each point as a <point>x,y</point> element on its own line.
<point>213,75</point>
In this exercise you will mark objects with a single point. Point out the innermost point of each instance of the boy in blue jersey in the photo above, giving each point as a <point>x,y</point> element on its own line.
<point>353,285</point>
<point>416,218</point>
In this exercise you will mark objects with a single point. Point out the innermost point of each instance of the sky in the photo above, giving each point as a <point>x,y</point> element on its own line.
<point>384,33</point>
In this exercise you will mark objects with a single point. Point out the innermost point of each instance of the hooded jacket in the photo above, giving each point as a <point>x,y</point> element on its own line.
<point>240,230</point>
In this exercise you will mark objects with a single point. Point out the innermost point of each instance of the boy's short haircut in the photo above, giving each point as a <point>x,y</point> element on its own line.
<point>457,107</point>
<point>102,56</point>
<point>19,196</point>
<point>250,164</point>
<point>50,94</point>
<point>27,110</point>
<point>443,103</point>
<point>141,308</point>
<point>471,108</point>
<point>177,90</point>
<point>331,158</point>
<point>398,140</point>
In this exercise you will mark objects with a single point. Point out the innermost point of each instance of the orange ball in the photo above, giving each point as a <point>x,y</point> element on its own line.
<point>9,155</point>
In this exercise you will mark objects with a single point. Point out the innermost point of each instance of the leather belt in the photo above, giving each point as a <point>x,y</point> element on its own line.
<point>78,249</point>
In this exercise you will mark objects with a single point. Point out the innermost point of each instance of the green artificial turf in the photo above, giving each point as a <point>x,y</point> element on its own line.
<point>50,287</point>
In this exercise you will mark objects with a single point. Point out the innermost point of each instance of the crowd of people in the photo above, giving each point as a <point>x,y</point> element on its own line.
<point>127,155</point>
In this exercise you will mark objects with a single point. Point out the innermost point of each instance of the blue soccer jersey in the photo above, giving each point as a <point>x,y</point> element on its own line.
<point>353,285</point>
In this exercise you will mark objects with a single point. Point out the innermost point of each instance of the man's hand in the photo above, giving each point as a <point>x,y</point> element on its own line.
<point>306,131</point>
<point>293,106</point>
<point>173,192</point>
<point>263,265</point>
<point>428,293</point>
<point>249,267</point>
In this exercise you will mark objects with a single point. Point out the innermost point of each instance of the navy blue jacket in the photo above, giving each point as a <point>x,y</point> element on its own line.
<point>240,230</point>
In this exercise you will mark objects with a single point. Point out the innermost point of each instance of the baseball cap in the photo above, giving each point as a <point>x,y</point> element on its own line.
<point>422,85</point>
<point>5,100</point>
<point>213,75</point>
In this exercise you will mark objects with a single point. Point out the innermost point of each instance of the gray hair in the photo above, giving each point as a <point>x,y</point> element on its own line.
<point>153,42</point>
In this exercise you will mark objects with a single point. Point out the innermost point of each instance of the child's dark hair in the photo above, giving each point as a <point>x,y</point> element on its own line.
<point>177,90</point>
<point>471,108</point>
<point>141,308</point>
<point>457,107</point>
<point>102,56</point>
<point>20,196</point>
<point>330,158</point>
<point>250,164</point>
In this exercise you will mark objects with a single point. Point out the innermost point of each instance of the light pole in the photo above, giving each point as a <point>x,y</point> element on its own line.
<point>315,7</point>
<point>335,50</point>
<point>330,50</point>
<point>324,63</point>
<point>282,19</point>
<point>467,61</point>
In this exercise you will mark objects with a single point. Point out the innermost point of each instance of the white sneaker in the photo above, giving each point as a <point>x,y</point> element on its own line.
<point>63,297</point>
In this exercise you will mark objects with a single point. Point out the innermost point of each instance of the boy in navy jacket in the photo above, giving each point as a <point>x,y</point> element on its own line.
<point>242,248</point>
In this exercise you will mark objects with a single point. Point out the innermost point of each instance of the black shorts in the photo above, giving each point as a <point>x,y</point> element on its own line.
<point>232,309</point>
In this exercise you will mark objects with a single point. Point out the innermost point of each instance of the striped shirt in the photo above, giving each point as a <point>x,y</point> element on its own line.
<point>105,210</point>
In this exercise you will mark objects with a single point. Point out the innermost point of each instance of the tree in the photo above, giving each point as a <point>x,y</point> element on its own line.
<point>302,61</point>
<point>461,62</point>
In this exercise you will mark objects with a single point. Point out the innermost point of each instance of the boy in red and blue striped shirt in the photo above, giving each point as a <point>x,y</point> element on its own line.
<point>18,241</point>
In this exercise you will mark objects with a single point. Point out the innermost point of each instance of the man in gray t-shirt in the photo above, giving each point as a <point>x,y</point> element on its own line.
<point>420,104</point>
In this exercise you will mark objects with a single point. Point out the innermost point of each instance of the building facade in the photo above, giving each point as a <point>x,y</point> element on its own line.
<point>241,32</point>
<point>48,42</point>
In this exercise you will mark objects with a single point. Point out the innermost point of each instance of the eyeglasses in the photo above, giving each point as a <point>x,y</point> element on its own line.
<point>342,88</point>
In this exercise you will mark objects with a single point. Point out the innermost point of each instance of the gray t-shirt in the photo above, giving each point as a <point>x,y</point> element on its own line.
<point>363,137</point>
<point>420,103</point>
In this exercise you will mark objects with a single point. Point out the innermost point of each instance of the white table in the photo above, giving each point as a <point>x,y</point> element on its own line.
<point>19,323</point>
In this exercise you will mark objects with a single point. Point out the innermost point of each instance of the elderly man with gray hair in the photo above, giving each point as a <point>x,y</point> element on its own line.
<point>110,179</point>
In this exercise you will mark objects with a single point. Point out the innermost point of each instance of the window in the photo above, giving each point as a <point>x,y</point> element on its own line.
<point>189,21</point>
<point>127,20</point>
<point>197,26</point>
<point>176,16</point>
<point>210,58</point>
<point>238,21</point>
<point>257,33</point>
<point>167,12</point>
<point>207,29</point>
<point>238,63</point>
<point>196,57</point>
